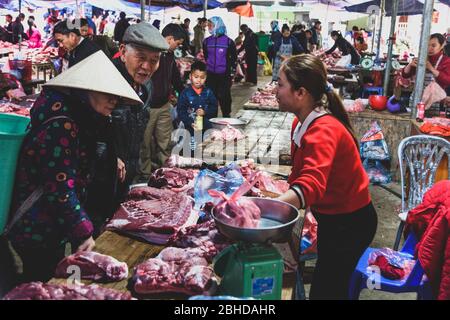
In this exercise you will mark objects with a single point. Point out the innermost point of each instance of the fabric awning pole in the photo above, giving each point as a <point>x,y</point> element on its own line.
<point>423,54</point>
<point>387,72</point>
<point>373,21</point>
<point>20,6</point>
<point>205,7</point>
<point>77,10</point>
<point>149,10</point>
<point>142,10</point>
<point>382,4</point>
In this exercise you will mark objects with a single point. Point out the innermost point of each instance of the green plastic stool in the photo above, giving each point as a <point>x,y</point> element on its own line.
<point>13,129</point>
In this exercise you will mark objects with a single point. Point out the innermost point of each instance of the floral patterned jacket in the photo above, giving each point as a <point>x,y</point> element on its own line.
<point>58,153</point>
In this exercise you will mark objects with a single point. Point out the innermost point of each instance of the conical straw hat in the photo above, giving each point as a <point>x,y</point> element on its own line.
<point>96,73</point>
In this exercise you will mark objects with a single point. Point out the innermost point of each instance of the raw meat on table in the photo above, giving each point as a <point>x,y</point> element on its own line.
<point>153,214</point>
<point>227,134</point>
<point>172,178</point>
<point>265,183</point>
<point>93,266</point>
<point>174,270</point>
<point>44,291</point>
<point>14,108</point>
<point>204,236</point>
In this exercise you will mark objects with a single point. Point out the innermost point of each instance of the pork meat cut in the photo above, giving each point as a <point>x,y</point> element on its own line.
<point>152,212</point>
<point>174,270</point>
<point>45,291</point>
<point>93,266</point>
<point>237,210</point>
<point>204,236</point>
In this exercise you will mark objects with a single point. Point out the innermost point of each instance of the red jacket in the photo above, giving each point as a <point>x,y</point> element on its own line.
<point>328,169</point>
<point>444,70</point>
<point>431,222</point>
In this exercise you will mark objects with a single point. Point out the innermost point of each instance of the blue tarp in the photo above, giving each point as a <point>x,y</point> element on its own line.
<point>405,7</point>
<point>189,5</point>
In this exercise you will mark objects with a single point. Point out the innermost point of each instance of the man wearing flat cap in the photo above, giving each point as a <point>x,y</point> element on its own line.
<point>139,59</point>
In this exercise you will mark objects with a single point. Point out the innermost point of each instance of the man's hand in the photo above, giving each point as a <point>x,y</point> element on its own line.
<point>87,245</point>
<point>13,95</point>
<point>200,112</point>
<point>121,171</point>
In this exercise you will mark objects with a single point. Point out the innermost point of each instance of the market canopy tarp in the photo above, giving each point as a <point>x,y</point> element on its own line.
<point>231,4</point>
<point>189,5</point>
<point>405,7</point>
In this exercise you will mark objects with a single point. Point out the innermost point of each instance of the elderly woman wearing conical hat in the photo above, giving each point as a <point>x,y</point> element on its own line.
<point>56,164</point>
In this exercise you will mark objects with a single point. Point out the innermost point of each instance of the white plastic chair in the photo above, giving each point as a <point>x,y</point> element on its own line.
<point>419,156</point>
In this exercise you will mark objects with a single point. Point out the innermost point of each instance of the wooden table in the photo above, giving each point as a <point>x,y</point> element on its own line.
<point>267,140</point>
<point>46,68</point>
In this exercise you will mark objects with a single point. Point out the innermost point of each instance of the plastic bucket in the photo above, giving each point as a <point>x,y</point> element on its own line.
<point>263,42</point>
<point>13,129</point>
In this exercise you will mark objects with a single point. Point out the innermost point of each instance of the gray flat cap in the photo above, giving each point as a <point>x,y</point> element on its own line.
<point>145,35</point>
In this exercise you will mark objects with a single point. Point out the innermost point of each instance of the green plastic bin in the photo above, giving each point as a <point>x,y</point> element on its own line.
<point>12,132</point>
<point>263,42</point>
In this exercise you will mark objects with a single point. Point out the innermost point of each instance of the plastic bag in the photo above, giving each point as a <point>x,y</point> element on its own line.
<point>267,64</point>
<point>227,180</point>
<point>309,234</point>
<point>399,260</point>
<point>344,61</point>
<point>373,145</point>
<point>377,173</point>
<point>433,93</point>
<point>236,210</point>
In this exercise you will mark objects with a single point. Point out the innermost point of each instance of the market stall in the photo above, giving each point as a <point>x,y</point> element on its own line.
<point>136,253</point>
<point>263,138</point>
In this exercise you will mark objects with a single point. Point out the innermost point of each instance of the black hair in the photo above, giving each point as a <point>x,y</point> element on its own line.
<point>301,26</point>
<point>439,37</point>
<point>83,22</point>
<point>31,24</point>
<point>62,27</point>
<point>308,71</point>
<point>122,15</point>
<point>174,30</point>
<point>284,28</point>
<point>198,65</point>
<point>202,20</point>
<point>21,16</point>
<point>360,39</point>
<point>187,20</point>
<point>244,28</point>
<point>336,34</point>
<point>317,22</point>
<point>355,28</point>
<point>308,31</point>
<point>9,16</point>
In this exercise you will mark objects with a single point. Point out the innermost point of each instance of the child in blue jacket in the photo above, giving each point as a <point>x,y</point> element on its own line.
<point>197,100</point>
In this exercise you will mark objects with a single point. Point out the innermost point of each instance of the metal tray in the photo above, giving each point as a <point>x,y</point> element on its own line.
<point>277,221</point>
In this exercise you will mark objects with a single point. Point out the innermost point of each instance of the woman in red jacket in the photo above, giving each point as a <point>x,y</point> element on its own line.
<point>438,64</point>
<point>327,174</point>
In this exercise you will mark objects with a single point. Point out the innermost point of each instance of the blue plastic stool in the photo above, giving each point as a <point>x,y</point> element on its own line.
<point>367,91</point>
<point>415,282</point>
